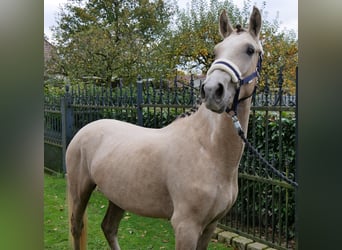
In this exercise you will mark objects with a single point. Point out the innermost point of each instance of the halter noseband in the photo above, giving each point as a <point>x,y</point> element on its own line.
<point>230,68</point>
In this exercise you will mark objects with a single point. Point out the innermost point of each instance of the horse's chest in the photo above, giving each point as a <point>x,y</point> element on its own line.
<point>226,199</point>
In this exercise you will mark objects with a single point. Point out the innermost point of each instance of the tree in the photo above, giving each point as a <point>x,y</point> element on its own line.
<point>109,39</point>
<point>280,50</point>
<point>197,34</point>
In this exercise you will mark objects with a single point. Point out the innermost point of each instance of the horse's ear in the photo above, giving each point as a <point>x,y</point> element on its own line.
<point>225,27</point>
<point>255,22</point>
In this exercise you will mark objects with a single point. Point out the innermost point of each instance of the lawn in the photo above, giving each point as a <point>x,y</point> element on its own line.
<point>135,232</point>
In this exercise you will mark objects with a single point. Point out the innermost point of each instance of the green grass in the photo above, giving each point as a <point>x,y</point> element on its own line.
<point>135,232</point>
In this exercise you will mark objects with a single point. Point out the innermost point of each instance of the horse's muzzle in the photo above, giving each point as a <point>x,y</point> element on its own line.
<point>213,96</point>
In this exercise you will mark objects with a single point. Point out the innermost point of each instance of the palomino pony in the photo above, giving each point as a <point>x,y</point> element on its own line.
<point>187,171</point>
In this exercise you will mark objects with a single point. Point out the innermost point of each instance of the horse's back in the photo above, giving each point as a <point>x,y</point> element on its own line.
<point>103,140</point>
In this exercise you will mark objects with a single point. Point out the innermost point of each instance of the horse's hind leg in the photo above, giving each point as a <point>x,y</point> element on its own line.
<point>110,225</point>
<point>78,196</point>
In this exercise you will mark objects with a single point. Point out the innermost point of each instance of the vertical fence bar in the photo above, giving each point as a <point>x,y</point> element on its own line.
<point>280,149</point>
<point>296,167</point>
<point>154,98</point>
<point>286,229</point>
<point>267,139</point>
<point>139,101</point>
<point>192,97</point>
<point>160,101</point>
<point>67,122</point>
<point>148,101</point>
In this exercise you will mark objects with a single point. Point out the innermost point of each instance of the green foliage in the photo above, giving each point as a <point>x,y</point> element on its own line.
<point>261,203</point>
<point>280,50</point>
<point>52,91</point>
<point>277,129</point>
<point>110,39</point>
<point>197,33</point>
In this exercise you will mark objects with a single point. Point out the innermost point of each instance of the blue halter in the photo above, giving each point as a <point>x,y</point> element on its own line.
<point>232,69</point>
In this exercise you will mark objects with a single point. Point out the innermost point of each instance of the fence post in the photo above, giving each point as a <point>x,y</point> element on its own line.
<point>67,122</point>
<point>139,101</point>
<point>279,99</point>
<point>192,97</point>
<point>296,167</point>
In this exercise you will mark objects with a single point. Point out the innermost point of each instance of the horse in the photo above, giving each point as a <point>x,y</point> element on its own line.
<point>187,171</point>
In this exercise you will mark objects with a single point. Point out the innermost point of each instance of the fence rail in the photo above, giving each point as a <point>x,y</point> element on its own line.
<point>265,207</point>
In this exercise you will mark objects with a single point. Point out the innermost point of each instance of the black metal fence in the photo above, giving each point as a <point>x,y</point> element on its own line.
<point>265,208</point>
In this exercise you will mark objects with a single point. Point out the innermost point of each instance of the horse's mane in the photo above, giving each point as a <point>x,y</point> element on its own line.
<point>239,28</point>
<point>192,110</point>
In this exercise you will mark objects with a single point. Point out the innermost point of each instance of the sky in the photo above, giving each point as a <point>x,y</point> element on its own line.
<point>287,9</point>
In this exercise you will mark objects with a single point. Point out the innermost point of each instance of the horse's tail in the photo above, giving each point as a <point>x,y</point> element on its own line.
<point>83,238</point>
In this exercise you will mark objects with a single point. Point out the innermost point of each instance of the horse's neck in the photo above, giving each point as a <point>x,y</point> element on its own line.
<point>243,112</point>
<point>218,132</point>
<point>221,124</point>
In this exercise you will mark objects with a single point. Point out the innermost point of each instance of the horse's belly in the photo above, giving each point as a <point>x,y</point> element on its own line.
<point>142,204</point>
<point>141,196</point>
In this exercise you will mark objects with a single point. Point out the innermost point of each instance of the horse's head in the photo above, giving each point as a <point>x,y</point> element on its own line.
<point>236,60</point>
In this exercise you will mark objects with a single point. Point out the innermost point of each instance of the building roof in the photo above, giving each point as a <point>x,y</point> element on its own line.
<point>48,47</point>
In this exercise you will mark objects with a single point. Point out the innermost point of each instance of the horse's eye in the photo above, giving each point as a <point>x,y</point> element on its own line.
<point>250,50</point>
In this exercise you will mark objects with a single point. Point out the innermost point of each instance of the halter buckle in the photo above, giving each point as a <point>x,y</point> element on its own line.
<point>237,124</point>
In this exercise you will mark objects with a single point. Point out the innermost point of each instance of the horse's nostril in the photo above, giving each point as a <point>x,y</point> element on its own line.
<point>219,91</point>
<point>202,92</point>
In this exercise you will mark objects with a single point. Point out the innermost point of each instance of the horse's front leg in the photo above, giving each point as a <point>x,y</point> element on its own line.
<point>187,232</point>
<point>205,238</point>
